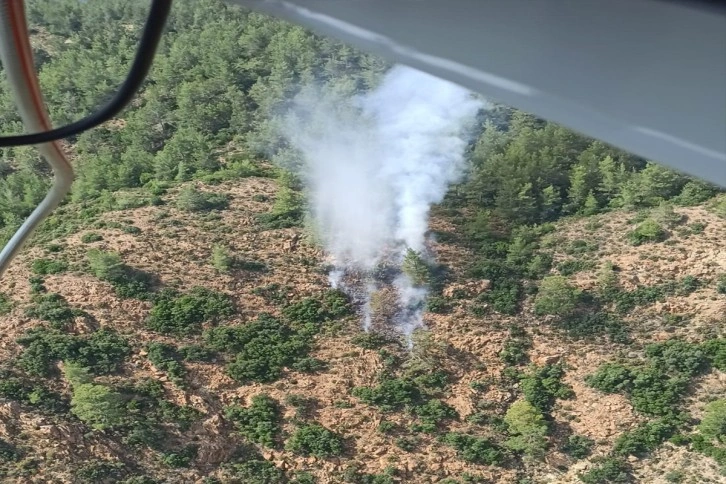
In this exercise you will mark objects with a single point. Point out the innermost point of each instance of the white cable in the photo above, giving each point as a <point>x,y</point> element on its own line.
<point>17,61</point>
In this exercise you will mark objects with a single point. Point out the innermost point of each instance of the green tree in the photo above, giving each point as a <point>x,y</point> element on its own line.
<point>527,428</point>
<point>556,296</point>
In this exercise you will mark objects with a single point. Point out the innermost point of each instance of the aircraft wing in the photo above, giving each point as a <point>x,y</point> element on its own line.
<point>648,76</point>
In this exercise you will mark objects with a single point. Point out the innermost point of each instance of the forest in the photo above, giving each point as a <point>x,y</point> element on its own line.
<point>207,122</point>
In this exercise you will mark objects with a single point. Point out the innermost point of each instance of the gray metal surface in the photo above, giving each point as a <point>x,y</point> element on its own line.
<point>646,75</point>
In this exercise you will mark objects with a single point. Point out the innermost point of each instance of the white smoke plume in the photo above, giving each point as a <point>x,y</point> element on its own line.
<point>374,165</point>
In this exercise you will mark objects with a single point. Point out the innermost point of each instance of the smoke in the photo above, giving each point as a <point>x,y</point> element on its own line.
<point>374,165</point>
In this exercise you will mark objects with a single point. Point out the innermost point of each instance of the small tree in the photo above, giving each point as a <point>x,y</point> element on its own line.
<point>713,423</point>
<point>314,439</point>
<point>528,429</point>
<point>416,268</point>
<point>96,405</point>
<point>556,296</point>
<point>222,261</point>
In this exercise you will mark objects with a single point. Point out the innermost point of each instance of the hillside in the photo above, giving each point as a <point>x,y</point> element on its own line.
<point>279,269</point>
<point>174,320</point>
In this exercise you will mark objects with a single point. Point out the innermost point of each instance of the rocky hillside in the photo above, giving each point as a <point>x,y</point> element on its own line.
<point>189,340</point>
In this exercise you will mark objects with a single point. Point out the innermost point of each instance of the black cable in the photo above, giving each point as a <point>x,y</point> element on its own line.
<point>150,38</point>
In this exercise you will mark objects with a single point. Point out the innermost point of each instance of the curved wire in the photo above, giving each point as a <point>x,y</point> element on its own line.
<point>17,59</point>
<point>150,38</point>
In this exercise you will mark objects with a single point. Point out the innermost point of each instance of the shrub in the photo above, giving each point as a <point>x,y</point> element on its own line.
<point>183,314</point>
<point>182,458</point>
<point>192,200</point>
<point>408,444</point>
<point>514,351</point>
<point>101,351</point>
<point>196,353</point>
<point>264,347</point>
<point>370,340</point>
<point>608,470</point>
<point>43,267</point>
<point>572,266</point>
<point>8,452</point>
<point>477,450</point>
<point>53,308</point>
<point>677,356</point>
<point>311,313</point>
<point>721,284</point>
<point>166,358</point>
<point>556,297</point>
<point>578,446</point>
<point>89,237</point>
<point>542,386</point>
<point>257,471</point>
<point>314,439</point>
<point>527,429</point>
<point>127,282</point>
<point>6,304</point>
<point>260,422</point>
<point>222,261</point>
<point>416,269</point>
<point>434,412</point>
<point>438,305</point>
<point>645,438</point>
<point>309,365</point>
<point>97,405</point>
<point>99,471</point>
<point>390,394</point>
<point>648,231</point>
<point>665,215</point>
<point>713,423</point>
<point>715,350</point>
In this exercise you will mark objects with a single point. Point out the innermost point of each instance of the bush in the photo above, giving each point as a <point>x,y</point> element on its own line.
<point>390,394</point>
<point>665,215</point>
<point>721,284</point>
<point>8,452</point>
<point>166,358</point>
<point>542,386</point>
<point>89,237</point>
<point>556,297</point>
<point>648,231</point>
<point>309,365</point>
<point>438,305</point>
<point>264,347</point>
<point>196,353</point>
<point>99,471</point>
<point>434,412</point>
<point>257,471</point>
<point>609,470</point>
<point>183,314</point>
<point>183,458</point>
<point>677,356</point>
<point>514,351</point>
<point>573,266</point>
<point>260,422</point>
<point>97,405</point>
<point>222,261</point>
<point>645,438</point>
<point>370,340</point>
<point>102,351</point>
<point>416,269</point>
<point>477,450</point>
<point>578,446</point>
<point>192,200</point>
<point>651,391</point>
<point>527,429</point>
<point>128,282</point>
<point>43,267</point>
<point>6,304</point>
<point>715,351</point>
<point>53,308</point>
<point>314,439</point>
<point>713,423</point>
